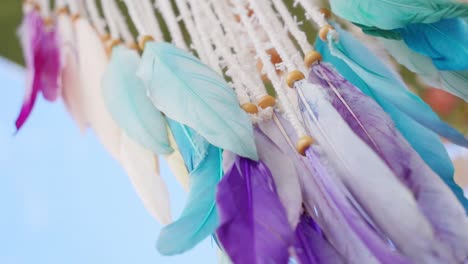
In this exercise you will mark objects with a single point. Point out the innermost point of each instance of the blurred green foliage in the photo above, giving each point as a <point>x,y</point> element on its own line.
<point>10,18</point>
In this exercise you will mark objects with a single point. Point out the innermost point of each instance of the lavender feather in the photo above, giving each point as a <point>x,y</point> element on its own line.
<point>374,126</point>
<point>254,227</point>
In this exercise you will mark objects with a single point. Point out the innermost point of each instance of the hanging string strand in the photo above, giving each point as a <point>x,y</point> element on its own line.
<point>147,11</point>
<point>96,20</point>
<point>137,21</point>
<point>168,14</point>
<point>110,19</point>
<point>121,23</point>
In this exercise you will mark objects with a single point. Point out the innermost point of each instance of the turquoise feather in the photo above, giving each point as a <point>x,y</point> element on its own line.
<point>125,97</point>
<point>189,92</point>
<point>454,82</point>
<point>416,121</point>
<point>199,218</point>
<point>393,14</point>
<point>445,42</point>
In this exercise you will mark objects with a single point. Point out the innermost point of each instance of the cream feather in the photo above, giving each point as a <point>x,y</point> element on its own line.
<point>176,163</point>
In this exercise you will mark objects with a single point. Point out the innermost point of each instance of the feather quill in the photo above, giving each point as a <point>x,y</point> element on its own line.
<point>70,73</point>
<point>142,168</point>
<point>392,14</point>
<point>41,52</point>
<point>250,211</point>
<point>283,172</point>
<point>365,117</point>
<point>189,92</point>
<point>373,185</point>
<point>199,217</point>
<point>92,64</point>
<point>415,120</point>
<point>126,100</point>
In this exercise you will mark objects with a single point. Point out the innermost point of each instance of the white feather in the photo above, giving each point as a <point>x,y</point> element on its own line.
<point>142,168</point>
<point>92,63</point>
<point>70,73</point>
<point>389,203</point>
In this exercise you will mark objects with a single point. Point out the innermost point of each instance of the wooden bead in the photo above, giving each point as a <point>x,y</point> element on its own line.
<point>267,101</point>
<point>133,46</point>
<point>324,32</point>
<point>62,11</point>
<point>105,37</point>
<point>48,21</point>
<point>33,4</point>
<point>111,45</point>
<point>75,17</point>
<point>312,57</point>
<point>250,108</point>
<point>303,144</point>
<point>293,77</point>
<point>326,12</point>
<point>143,40</point>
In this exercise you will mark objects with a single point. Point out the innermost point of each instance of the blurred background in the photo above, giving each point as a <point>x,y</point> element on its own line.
<point>64,200</point>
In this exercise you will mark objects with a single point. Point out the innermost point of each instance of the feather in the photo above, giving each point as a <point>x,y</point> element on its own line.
<point>223,258</point>
<point>39,44</point>
<point>283,172</point>
<point>143,170</point>
<point>92,63</point>
<point>126,100</point>
<point>311,247</point>
<point>176,163</point>
<point>251,213</point>
<point>415,120</point>
<point>70,75</point>
<point>328,202</point>
<point>365,117</point>
<point>445,42</point>
<point>191,93</point>
<point>454,82</point>
<point>199,217</point>
<point>373,185</point>
<point>392,14</point>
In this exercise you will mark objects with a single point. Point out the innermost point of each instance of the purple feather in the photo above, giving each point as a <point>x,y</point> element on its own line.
<point>325,200</point>
<point>374,126</point>
<point>311,247</point>
<point>40,48</point>
<point>253,223</point>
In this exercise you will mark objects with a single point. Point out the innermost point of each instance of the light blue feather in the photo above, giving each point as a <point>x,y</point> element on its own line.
<point>445,42</point>
<point>125,97</point>
<point>199,217</point>
<point>416,121</point>
<point>454,82</point>
<point>189,92</point>
<point>392,14</point>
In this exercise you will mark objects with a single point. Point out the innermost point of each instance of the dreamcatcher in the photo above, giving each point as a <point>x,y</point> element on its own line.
<point>288,150</point>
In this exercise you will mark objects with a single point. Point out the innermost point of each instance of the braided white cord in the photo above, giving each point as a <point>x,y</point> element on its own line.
<point>146,10</point>
<point>314,12</point>
<point>72,5</point>
<point>291,24</point>
<point>121,23</point>
<point>255,85</point>
<point>98,22</point>
<point>191,28</point>
<point>171,21</point>
<point>219,40</point>
<point>137,21</point>
<point>110,19</point>
<point>269,69</point>
<point>212,59</point>
<point>45,8</point>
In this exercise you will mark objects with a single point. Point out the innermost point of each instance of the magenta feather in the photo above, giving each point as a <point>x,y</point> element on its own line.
<point>368,120</point>
<point>42,56</point>
<point>254,227</point>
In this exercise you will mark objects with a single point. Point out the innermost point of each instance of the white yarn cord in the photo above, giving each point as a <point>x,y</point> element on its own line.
<point>110,19</point>
<point>171,21</point>
<point>137,21</point>
<point>255,85</point>
<point>45,8</point>
<point>150,21</point>
<point>314,12</point>
<point>186,17</point>
<point>219,40</point>
<point>269,69</point>
<point>72,5</point>
<point>121,23</point>
<point>212,59</point>
<point>292,26</point>
<point>98,23</point>
<point>59,4</point>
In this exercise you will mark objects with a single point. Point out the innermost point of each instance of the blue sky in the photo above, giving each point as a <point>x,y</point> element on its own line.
<point>62,197</point>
